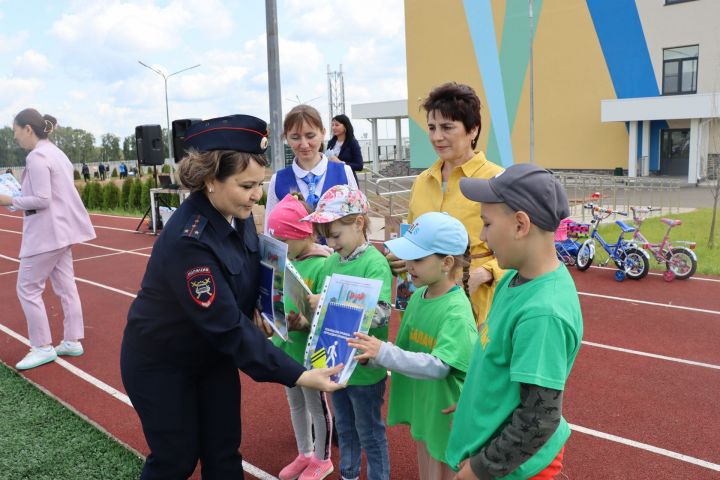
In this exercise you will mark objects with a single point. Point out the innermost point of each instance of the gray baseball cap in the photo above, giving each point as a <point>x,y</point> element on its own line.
<point>523,187</point>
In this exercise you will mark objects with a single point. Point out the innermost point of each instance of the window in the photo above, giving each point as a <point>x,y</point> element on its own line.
<point>680,67</point>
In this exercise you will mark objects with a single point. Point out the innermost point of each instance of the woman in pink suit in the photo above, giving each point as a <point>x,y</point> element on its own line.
<point>54,220</point>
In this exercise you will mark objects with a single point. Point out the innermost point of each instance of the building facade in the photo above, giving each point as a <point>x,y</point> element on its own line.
<point>615,83</point>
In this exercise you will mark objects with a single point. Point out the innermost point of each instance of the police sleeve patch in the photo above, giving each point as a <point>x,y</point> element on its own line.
<point>201,285</point>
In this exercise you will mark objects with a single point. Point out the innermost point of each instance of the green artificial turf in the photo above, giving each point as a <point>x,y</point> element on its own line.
<point>40,439</point>
<point>695,228</point>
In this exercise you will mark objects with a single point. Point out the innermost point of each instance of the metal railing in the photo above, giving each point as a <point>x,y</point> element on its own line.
<point>619,193</point>
<point>387,196</point>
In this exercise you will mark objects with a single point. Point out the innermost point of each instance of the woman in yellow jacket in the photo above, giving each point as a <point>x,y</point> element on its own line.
<point>453,116</point>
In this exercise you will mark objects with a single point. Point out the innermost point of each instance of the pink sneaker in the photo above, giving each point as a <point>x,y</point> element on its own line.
<point>317,470</point>
<point>295,468</point>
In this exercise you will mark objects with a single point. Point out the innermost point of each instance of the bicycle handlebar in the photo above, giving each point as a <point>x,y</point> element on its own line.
<point>606,211</point>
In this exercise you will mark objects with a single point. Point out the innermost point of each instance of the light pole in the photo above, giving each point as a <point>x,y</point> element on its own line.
<point>167,108</point>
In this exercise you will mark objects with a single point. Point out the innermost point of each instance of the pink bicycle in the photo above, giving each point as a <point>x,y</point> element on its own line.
<point>679,259</point>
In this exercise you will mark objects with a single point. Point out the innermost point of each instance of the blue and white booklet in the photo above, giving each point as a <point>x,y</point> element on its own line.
<point>347,305</point>
<point>9,186</point>
<point>273,258</point>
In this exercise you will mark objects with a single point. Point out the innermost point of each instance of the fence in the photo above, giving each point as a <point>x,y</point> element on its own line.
<point>620,193</point>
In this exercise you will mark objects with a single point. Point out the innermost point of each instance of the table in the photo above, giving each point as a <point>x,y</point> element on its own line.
<point>183,193</point>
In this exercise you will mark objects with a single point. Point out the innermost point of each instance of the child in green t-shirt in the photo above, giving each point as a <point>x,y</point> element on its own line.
<point>508,421</point>
<point>341,218</point>
<point>432,351</point>
<point>309,409</point>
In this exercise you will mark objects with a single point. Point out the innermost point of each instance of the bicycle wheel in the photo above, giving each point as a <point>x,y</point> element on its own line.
<point>636,263</point>
<point>585,255</point>
<point>682,262</point>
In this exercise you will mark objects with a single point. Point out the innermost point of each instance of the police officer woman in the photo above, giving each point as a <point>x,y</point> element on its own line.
<point>192,324</point>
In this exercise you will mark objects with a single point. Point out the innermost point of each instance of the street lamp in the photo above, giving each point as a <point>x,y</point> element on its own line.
<point>167,108</point>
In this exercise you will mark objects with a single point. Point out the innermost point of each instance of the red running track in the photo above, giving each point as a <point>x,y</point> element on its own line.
<point>641,417</point>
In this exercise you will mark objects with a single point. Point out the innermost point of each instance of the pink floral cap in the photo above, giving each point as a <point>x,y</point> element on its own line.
<point>339,201</point>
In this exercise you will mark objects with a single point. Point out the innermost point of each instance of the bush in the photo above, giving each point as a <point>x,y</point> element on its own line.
<point>84,191</point>
<point>114,173</point>
<point>125,192</point>
<point>111,196</point>
<point>166,168</point>
<point>76,175</point>
<point>94,195</point>
<point>134,194</point>
<point>145,198</point>
<point>149,171</point>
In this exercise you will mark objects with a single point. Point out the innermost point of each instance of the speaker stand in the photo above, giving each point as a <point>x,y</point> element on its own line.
<point>158,219</point>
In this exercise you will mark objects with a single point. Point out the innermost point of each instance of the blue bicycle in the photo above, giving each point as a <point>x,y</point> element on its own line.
<point>631,261</point>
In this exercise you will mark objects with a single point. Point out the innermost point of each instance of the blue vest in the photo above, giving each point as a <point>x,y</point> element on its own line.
<point>285,181</point>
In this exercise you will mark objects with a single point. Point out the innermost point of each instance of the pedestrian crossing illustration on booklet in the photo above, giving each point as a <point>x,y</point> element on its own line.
<point>347,305</point>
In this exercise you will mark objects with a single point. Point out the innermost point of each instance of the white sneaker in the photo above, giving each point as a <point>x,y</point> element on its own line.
<point>70,348</point>
<point>36,357</point>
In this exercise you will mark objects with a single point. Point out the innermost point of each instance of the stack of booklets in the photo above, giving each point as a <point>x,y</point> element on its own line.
<point>9,186</point>
<point>273,261</point>
<point>347,305</point>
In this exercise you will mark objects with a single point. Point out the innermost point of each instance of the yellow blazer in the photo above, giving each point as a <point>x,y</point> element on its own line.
<point>427,196</point>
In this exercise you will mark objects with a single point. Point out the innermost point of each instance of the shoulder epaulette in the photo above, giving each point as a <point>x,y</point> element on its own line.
<point>194,227</point>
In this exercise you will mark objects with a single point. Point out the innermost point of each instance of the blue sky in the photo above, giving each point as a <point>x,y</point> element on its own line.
<point>78,60</point>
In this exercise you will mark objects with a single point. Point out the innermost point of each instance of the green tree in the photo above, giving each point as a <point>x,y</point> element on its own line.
<point>110,145</point>
<point>135,193</point>
<point>111,196</point>
<point>94,199</point>
<point>129,148</point>
<point>11,155</point>
<point>125,192</point>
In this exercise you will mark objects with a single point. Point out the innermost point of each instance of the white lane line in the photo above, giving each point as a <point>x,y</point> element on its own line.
<point>83,280</point>
<point>95,226</point>
<point>655,304</point>
<point>87,258</point>
<point>103,247</point>
<point>645,446</point>
<point>74,370</point>
<point>652,355</point>
<point>117,394</point>
<point>113,216</point>
<point>660,275</point>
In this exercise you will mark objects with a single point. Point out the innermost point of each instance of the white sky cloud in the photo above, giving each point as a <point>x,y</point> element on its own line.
<point>93,50</point>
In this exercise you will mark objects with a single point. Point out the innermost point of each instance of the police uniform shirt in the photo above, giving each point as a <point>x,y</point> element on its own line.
<point>198,294</point>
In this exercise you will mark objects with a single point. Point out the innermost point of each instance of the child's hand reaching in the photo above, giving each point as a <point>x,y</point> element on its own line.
<point>313,300</point>
<point>370,346</point>
<point>297,321</point>
<point>261,324</point>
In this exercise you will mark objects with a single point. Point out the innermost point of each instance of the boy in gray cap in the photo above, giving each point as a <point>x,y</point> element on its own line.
<point>508,421</point>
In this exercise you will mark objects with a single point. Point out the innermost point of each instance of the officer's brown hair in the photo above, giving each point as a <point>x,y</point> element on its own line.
<point>42,125</point>
<point>198,167</point>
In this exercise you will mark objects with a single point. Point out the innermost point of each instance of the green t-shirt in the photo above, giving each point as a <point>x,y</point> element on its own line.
<point>370,264</point>
<point>532,335</point>
<point>444,327</point>
<point>310,269</point>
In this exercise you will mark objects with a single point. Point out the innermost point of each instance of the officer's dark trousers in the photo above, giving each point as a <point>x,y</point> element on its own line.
<point>187,413</point>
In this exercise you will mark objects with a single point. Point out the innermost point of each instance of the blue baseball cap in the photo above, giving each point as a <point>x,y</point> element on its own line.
<point>432,232</point>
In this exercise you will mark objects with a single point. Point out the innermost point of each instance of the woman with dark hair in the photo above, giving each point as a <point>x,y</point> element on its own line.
<point>454,123</point>
<point>194,322</point>
<point>54,220</point>
<point>343,146</point>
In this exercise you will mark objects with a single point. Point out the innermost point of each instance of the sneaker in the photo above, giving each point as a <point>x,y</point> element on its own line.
<point>70,348</point>
<point>36,357</point>
<point>317,470</point>
<point>295,468</point>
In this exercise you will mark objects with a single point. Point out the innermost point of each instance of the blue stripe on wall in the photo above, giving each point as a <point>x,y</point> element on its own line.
<point>622,40</point>
<point>482,31</point>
